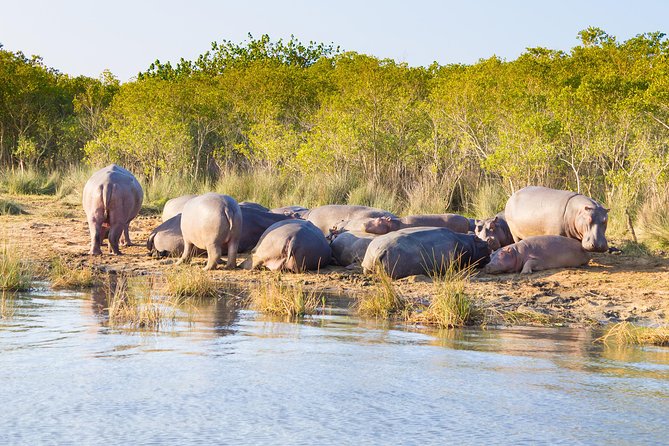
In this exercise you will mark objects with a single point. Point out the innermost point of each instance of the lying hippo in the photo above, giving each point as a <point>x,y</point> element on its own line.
<point>350,247</point>
<point>252,205</point>
<point>167,240</point>
<point>537,254</point>
<point>291,245</point>
<point>211,221</point>
<point>386,224</point>
<point>326,217</point>
<point>424,250</point>
<point>112,197</point>
<point>495,231</point>
<point>297,211</point>
<point>175,206</point>
<point>538,210</point>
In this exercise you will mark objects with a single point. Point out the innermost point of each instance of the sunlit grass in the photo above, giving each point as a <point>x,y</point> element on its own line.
<point>274,297</point>
<point>528,317</point>
<point>30,182</point>
<point>624,333</point>
<point>190,282</point>
<point>134,305</point>
<point>383,301</point>
<point>488,200</point>
<point>653,221</point>
<point>15,273</point>
<point>63,275</point>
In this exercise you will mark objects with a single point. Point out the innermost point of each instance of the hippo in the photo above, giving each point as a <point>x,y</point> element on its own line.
<point>350,247</point>
<point>175,206</point>
<point>386,224</point>
<point>211,221</point>
<point>377,225</point>
<point>536,254</point>
<point>167,240</point>
<point>326,217</point>
<point>295,211</point>
<point>252,205</point>
<point>291,245</point>
<point>111,199</point>
<point>536,210</point>
<point>495,231</point>
<point>424,250</point>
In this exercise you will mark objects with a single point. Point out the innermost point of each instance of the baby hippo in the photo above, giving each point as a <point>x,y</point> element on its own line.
<point>536,254</point>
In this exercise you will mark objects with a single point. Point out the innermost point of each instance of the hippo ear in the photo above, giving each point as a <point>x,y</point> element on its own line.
<point>494,220</point>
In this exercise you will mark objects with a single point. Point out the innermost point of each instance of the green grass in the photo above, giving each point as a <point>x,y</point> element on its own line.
<point>488,200</point>
<point>63,275</point>
<point>8,207</point>
<point>190,282</point>
<point>15,273</point>
<point>626,333</point>
<point>653,221</point>
<point>30,182</point>
<point>277,298</point>
<point>134,305</point>
<point>383,301</point>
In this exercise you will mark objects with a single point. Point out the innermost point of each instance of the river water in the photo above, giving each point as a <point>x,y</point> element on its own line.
<point>224,375</point>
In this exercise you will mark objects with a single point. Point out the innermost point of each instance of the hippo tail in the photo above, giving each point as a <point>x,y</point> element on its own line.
<point>106,199</point>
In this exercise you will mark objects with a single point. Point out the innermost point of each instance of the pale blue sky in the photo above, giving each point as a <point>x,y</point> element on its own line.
<point>85,37</point>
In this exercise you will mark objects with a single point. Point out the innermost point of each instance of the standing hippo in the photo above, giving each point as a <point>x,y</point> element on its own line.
<point>175,206</point>
<point>325,217</point>
<point>291,245</point>
<point>424,250</point>
<point>167,240</point>
<point>211,221</point>
<point>298,211</point>
<point>112,197</point>
<point>537,254</point>
<point>538,210</point>
<point>350,247</point>
<point>495,231</point>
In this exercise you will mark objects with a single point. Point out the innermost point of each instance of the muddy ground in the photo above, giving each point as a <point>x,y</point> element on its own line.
<point>611,288</point>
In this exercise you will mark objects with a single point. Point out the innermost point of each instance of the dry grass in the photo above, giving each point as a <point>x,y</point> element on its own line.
<point>625,333</point>
<point>279,299</point>
<point>528,317</point>
<point>488,200</point>
<point>30,182</point>
<point>653,221</point>
<point>190,282</point>
<point>15,273</point>
<point>383,301</point>
<point>135,306</point>
<point>8,207</point>
<point>62,275</point>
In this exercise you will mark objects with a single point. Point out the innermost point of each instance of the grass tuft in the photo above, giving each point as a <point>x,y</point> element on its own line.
<point>626,333</point>
<point>31,182</point>
<point>488,200</point>
<point>383,301</point>
<point>653,221</point>
<point>7,305</point>
<point>15,274</point>
<point>64,276</point>
<point>8,207</point>
<point>279,299</point>
<point>135,306</point>
<point>191,282</point>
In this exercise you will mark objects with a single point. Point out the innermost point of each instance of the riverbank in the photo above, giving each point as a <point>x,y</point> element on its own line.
<point>632,286</point>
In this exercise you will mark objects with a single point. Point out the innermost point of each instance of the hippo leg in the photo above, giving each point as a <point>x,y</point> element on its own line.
<point>187,254</point>
<point>530,266</point>
<point>126,235</point>
<point>114,236</point>
<point>214,253</point>
<point>233,245</point>
<point>95,229</point>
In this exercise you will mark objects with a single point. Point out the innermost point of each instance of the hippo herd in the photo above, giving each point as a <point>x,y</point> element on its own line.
<point>540,228</point>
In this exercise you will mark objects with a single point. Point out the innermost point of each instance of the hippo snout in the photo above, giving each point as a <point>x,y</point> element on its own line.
<point>593,245</point>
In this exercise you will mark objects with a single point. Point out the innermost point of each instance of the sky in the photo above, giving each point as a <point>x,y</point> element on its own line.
<point>87,37</point>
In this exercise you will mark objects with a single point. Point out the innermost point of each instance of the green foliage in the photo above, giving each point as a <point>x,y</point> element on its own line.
<point>30,182</point>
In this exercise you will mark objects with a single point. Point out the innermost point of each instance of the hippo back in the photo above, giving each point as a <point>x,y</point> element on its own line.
<point>325,217</point>
<point>454,222</point>
<point>350,247</point>
<point>174,206</point>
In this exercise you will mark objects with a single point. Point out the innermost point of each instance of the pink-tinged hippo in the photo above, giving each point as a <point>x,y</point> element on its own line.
<point>211,221</point>
<point>295,211</point>
<point>536,210</point>
<point>167,241</point>
<point>424,250</point>
<point>495,231</point>
<point>350,247</point>
<point>454,222</point>
<point>326,217</point>
<point>175,206</point>
<point>536,254</point>
<point>386,224</point>
<point>291,245</point>
<point>112,197</point>
<point>377,225</point>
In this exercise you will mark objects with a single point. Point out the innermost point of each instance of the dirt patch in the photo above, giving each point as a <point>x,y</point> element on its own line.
<point>611,288</point>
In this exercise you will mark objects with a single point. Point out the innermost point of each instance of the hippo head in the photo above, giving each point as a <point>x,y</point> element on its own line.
<point>381,225</point>
<point>591,223</point>
<point>481,252</point>
<point>503,260</point>
<point>486,230</point>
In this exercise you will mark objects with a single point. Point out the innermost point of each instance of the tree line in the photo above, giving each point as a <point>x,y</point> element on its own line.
<point>594,119</point>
